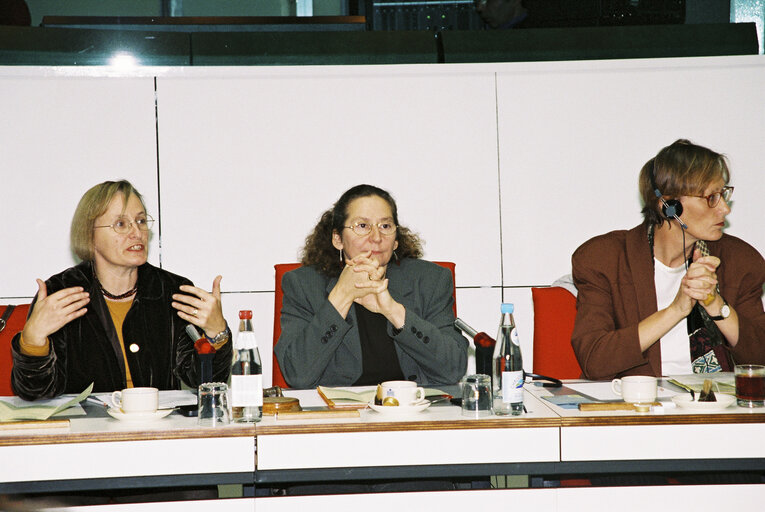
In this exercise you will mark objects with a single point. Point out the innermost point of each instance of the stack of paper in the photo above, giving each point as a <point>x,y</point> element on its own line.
<point>15,409</point>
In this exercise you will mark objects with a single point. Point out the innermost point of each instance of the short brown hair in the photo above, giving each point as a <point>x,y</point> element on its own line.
<point>680,169</point>
<point>92,205</point>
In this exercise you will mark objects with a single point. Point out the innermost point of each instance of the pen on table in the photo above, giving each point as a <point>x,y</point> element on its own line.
<point>97,401</point>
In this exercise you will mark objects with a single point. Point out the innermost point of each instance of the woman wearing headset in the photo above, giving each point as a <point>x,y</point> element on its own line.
<point>674,295</point>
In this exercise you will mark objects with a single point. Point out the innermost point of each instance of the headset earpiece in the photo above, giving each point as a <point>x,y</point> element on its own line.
<point>672,208</point>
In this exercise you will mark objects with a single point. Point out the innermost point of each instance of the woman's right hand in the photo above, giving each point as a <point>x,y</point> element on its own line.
<point>358,270</point>
<point>52,312</point>
<point>698,283</point>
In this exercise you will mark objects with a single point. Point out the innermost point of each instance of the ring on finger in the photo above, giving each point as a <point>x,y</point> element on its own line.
<point>194,313</point>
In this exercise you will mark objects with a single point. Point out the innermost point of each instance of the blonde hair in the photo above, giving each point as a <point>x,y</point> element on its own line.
<point>92,205</point>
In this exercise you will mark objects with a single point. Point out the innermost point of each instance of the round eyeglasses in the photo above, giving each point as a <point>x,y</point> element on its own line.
<point>123,225</point>
<point>365,228</point>
<point>714,199</point>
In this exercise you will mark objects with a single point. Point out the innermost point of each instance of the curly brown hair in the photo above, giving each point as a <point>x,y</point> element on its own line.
<point>318,250</point>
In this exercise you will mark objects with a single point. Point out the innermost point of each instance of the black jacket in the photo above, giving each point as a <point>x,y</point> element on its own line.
<point>87,349</point>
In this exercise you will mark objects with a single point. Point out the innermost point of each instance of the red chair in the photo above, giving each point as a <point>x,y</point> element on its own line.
<point>15,323</point>
<point>281,268</point>
<point>554,314</point>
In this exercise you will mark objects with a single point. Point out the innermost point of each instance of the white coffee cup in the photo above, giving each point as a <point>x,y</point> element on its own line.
<point>405,392</point>
<point>136,400</point>
<point>635,389</point>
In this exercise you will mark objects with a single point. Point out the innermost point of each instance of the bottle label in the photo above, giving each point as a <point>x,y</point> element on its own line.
<point>512,387</point>
<point>246,390</point>
<point>515,338</point>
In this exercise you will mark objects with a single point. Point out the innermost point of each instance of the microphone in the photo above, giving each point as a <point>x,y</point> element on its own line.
<point>206,353</point>
<point>484,347</point>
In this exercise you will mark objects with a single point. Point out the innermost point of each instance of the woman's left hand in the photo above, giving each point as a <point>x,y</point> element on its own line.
<point>700,281</point>
<point>379,300</point>
<point>201,308</point>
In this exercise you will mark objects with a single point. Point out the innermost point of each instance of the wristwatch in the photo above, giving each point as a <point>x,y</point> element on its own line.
<point>220,337</point>
<point>724,312</point>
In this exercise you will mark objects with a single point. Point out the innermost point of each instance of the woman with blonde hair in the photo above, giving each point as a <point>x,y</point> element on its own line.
<point>115,320</point>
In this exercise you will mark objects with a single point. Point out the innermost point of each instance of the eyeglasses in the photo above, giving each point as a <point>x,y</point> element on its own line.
<point>364,228</point>
<point>714,199</point>
<point>123,225</point>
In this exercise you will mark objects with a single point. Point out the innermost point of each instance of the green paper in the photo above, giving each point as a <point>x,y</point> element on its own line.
<point>9,412</point>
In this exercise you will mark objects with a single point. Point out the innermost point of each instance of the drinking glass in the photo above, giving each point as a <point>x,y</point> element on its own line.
<point>750,385</point>
<point>476,396</point>
<point>213,405</point>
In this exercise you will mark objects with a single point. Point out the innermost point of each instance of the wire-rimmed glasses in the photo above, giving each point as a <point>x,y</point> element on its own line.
<point>364,228</point>
<point>123,225</point>
<point>714,199</point>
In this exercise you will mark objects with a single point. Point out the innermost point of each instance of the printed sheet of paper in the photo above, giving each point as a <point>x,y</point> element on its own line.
<point>15,409</point>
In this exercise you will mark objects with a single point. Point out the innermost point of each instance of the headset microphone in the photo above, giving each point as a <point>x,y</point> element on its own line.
<point>671,208</point>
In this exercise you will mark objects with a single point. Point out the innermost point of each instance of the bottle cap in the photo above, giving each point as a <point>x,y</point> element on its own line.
<point>506,308</point>
<point>245,314</point>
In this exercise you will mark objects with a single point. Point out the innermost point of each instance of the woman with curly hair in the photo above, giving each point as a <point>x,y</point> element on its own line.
<point>364,308</point>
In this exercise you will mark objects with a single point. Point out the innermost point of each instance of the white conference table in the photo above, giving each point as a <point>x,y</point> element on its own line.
<point>546,443</point>
<point>99,452</point>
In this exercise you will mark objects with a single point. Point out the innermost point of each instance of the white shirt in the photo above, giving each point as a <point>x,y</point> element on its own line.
<point>675,346</point>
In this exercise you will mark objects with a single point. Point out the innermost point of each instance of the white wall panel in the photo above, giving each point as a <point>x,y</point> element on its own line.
<point>250,157</point>
<point>479,308</point>
<point>573,137</point>
<point>59,137</point>
<point>255,161</point>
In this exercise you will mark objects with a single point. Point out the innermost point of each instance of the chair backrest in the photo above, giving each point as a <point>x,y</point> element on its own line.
<point>14,324</point>
<point>282,268</point>
<point>554,314</point>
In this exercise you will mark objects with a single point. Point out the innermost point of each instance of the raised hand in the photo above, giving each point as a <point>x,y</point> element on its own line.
<point>201,308</point>
<point>52,312</point>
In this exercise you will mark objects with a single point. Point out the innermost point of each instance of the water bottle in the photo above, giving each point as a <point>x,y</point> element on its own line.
<point>246,374</point>
<point>507,378</point>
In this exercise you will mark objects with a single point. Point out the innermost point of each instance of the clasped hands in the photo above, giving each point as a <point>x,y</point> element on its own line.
<point>700,285</point>
<point>363,281</point>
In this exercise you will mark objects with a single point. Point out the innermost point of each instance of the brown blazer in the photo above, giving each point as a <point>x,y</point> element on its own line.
<point>614,273</point>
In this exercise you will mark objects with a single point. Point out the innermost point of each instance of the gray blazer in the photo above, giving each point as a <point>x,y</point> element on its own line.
<point>317,346</point>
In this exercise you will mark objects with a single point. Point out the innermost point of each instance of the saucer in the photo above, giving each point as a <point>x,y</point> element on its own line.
<point>397,410</point>
<point>723,402</point>
<point>117,414</point>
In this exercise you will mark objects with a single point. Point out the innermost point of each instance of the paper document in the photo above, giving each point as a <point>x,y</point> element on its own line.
<point>15,409</point>
<point>602,390</point>
<point>341,398</point>
<point>725,381</point>
<point>357,397</point>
